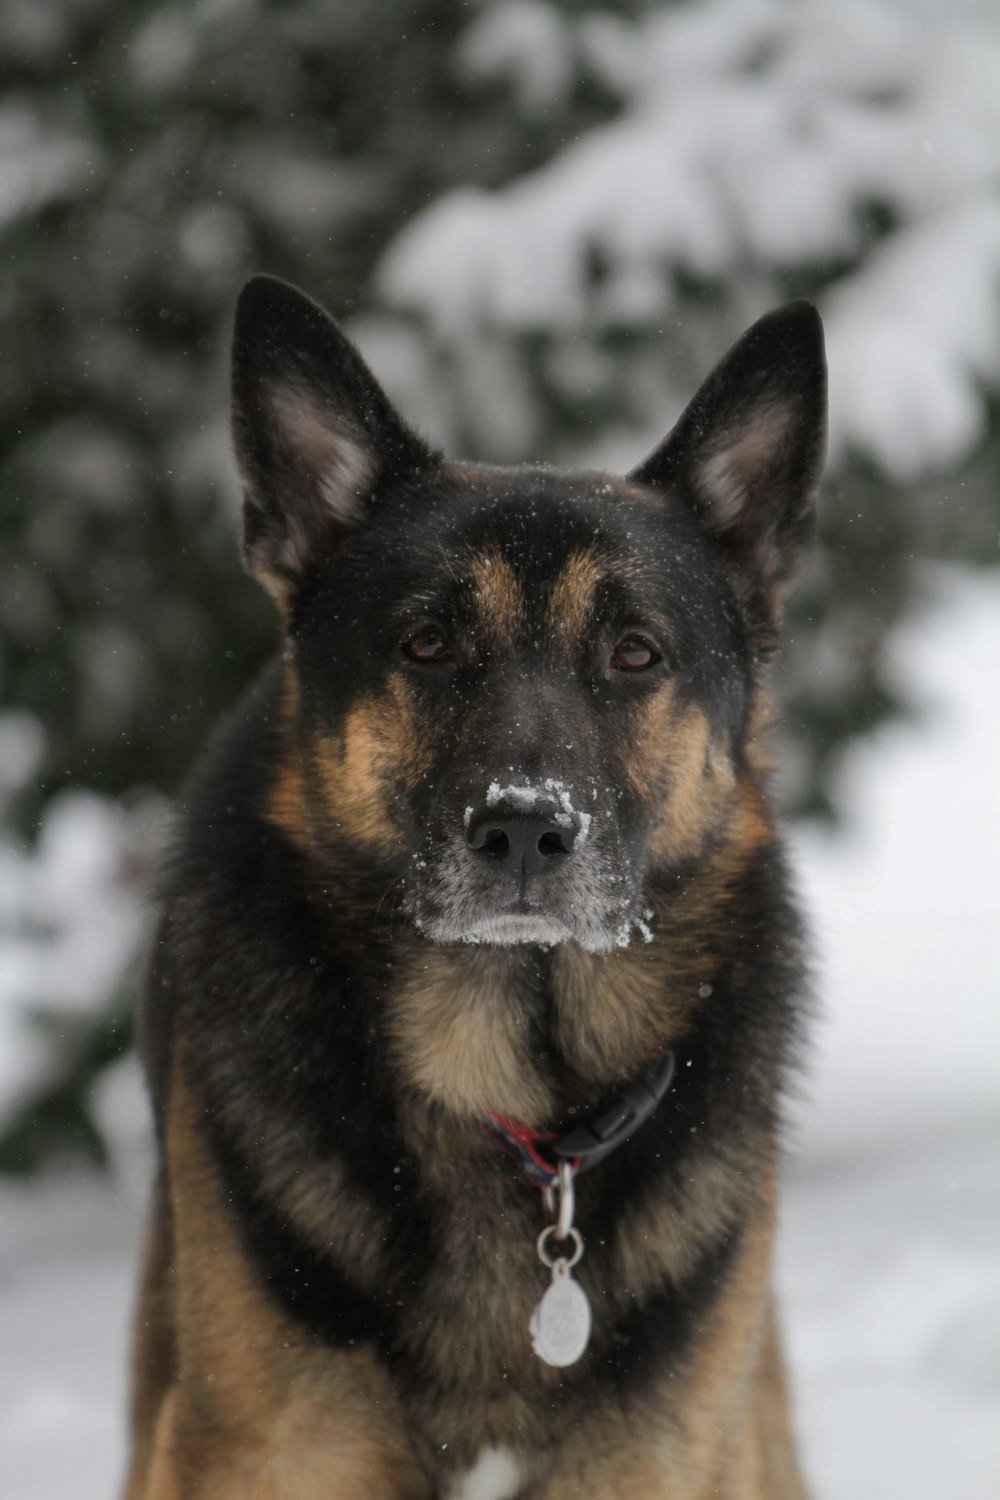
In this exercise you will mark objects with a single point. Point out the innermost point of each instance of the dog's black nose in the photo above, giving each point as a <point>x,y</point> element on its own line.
<point>522,843</point>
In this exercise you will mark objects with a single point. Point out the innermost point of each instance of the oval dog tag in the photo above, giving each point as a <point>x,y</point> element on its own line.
<point>560,1324</point>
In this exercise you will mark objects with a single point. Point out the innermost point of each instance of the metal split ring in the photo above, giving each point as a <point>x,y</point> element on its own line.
<point>561,1209</point>
<point>567,1200</point>
<point>549,1260</point>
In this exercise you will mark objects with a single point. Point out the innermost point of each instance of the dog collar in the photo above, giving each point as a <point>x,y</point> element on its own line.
<point>538,1153</point>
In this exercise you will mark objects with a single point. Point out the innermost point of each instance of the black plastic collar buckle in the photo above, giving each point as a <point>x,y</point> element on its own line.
<point>597,1137</point>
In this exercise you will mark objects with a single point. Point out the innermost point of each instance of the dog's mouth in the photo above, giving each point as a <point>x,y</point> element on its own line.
<point>449,905</point>
<point>541,930</point>
<point>515,927</point>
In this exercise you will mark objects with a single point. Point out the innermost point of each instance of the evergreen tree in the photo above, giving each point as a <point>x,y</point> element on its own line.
<point>420,166</point>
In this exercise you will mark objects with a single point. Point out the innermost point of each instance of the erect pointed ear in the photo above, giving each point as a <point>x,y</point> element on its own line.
<point>313,431</point>
<point>747,455</point>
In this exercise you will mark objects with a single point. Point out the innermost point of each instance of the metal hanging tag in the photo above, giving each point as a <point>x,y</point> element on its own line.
<point>560,1324</point>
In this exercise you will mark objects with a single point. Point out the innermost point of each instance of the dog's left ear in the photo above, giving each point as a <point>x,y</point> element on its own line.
<point>747,455</point>
<point>313,431</point>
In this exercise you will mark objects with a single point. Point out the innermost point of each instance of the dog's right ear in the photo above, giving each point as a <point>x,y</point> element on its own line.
<point>746,456</point>
<point>313,431</point>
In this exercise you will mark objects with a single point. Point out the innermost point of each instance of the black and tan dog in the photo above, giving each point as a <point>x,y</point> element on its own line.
<point>488,843</point>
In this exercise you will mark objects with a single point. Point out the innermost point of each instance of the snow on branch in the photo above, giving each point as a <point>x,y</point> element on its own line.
<point>851,143</point>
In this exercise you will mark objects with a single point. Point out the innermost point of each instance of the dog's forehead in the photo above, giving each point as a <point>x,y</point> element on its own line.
<point>546,504</point>
<point>511,543</point>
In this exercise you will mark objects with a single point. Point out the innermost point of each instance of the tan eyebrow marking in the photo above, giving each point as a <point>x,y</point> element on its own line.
<point>498,594</point>
<point>572,595</point>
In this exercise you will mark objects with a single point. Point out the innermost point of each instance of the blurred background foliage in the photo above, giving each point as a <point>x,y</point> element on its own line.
<point>543,222</point>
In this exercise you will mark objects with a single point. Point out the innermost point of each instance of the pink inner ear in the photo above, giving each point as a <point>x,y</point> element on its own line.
<point>739,460</point>
<point>329,450</point>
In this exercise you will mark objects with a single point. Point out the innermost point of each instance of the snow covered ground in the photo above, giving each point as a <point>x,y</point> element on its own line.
<point>889,1266</point>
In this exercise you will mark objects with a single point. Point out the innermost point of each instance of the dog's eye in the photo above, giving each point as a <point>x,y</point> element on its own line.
<point>427,646</point>
<point>634,654</point>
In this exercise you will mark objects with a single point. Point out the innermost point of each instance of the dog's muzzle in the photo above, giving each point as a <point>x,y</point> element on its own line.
<point>524,869</point>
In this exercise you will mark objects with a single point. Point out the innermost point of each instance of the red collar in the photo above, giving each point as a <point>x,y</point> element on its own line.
<point>586,1144</point>
<point>524,1146</point>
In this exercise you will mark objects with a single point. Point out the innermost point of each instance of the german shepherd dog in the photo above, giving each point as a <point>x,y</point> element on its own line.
<point>483,859</point>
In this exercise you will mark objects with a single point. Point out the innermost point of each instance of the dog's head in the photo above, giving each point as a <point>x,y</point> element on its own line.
<point>519,691</point>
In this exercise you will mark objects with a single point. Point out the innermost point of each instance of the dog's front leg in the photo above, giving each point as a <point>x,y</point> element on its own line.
<point>634,1454</point>
<point>715,1427</point>
<point>305,1452</point>
<point>256,1408</point>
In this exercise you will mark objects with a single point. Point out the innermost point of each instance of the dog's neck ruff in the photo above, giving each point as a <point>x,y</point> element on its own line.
<point>538,1153</point>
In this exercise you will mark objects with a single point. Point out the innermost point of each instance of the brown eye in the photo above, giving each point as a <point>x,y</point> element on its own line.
<point>633,654</point>
<point>427,646</point>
